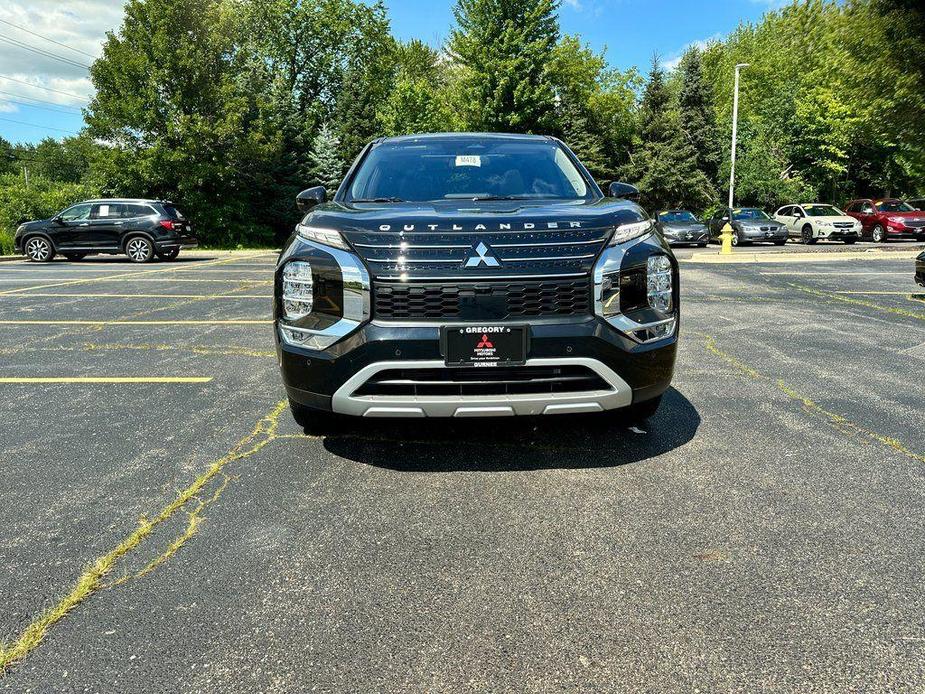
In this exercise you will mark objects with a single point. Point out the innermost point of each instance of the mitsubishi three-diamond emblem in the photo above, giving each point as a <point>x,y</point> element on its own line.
<point>482,254</point>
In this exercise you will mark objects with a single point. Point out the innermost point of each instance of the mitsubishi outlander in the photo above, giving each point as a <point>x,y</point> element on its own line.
<point>474,275</point>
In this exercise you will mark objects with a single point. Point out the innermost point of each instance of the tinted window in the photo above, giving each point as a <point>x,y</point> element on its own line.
<point>173,212</point>
<point>133,211</point>
<point>467,168</point>
<point>894,206</point>
<point>677,216</point>
<point>106,210</point>
<point>749,213</point>
<point>823,211</point>
<point>76,212</point>
<point>867,208</point>
<point>785,212</point>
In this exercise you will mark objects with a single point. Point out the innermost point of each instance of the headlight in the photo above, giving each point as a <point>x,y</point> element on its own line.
<point>632,230</point>
<point>658,282</point>
<point>328,237</point>
<point>298,294</point>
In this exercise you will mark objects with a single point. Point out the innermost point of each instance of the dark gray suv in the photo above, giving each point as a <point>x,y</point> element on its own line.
<point>141,229</point>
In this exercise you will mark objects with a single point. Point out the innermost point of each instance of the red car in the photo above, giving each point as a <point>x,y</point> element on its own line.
<point>887,218</point>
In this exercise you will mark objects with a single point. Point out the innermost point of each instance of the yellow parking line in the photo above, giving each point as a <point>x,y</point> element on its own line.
<point>135,274</point>
<point>877,293</point>
<point>108,379</point>
<point>135,322</point>
<point>143,296</point>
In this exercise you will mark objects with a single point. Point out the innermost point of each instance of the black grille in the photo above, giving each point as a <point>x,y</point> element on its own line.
<point>483,381</point>
<point>482,300</point>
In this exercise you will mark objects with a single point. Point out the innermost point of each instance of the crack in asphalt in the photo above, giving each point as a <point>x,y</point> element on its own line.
<point>838,422</point>
<point>91,580</point>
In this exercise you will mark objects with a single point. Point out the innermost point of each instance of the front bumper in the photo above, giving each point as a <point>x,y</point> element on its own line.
<point>330,379</point>
<point>182,242</point>
<point>838,234</point>
<point>337,372</point>
<point>684,238</point>
<point>758,235</point>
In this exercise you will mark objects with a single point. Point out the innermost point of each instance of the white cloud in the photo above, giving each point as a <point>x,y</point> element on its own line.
<point>674,59</point>
<point>79,24</point>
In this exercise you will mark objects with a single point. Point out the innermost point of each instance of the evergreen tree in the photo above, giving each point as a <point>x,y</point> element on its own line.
<point>505,47</point>
<point>698,115</point>
<point>665,163</point>
<point>327,167</point>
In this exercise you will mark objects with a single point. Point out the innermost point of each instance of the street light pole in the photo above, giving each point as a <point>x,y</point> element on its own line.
<point>735,126</point>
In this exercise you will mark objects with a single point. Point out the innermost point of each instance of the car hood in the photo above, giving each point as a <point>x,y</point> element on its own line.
<point>469,216</point>
<point>33,224</point>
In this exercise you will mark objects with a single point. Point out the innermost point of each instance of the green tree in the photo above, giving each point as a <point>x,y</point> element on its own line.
<point>187,119</point>
<point>418,101</point>
<point>698,116</point>
<point>327,168</point>
<point>664,165</point>
<point>506,47</point>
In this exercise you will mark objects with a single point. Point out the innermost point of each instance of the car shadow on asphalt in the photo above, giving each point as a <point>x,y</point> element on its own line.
<point>511,444</point>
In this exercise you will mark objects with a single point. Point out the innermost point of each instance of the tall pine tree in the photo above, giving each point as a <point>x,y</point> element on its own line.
<point>665,165</point>
<point>698,115</point>
<point>327,168</point>
<point>506,47</point>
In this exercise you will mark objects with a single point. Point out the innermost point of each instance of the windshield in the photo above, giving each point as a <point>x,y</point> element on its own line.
<point>677,216</point>
<point>467,169</point>
<point>894,206</point>
<point>749,213</point>
<point>823,211</point>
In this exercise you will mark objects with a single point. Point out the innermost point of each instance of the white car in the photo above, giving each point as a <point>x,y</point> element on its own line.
<point>811,222</point>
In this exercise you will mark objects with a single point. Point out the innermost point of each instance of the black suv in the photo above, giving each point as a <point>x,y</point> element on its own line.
<point>466,275</point>
<point>141,229</point>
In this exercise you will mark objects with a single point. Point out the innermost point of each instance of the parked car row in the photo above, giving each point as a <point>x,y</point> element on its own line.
<point>141,229</point>
<point>879,220</point>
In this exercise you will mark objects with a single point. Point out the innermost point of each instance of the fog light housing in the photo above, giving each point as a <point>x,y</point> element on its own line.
<point>298,292</point>
<point>659,287</point>
<point>610,294</point>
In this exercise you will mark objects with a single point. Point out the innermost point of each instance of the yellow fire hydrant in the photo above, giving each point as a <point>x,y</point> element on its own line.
<point>726,236</point>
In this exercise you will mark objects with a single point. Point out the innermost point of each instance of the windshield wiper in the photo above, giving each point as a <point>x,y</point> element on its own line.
<point>377,200</point>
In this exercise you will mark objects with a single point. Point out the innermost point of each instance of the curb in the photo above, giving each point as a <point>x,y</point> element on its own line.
<point>750,258</point>
<point>11,258</point>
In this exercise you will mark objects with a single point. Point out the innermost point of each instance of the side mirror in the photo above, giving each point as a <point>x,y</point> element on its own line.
<point>624,190</point>
<point>310,197</point>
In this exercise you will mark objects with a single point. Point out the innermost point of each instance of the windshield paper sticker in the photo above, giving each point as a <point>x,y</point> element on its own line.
<point>468,160</point>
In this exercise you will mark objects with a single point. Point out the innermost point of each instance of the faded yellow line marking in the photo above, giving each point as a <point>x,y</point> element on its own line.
<point>217,350</point>
<point>875,293</point>
<point>142,296</point>
<point>136,322</point>
<point>91,580</point>
<point>107,379</point>
<point>838,422</point>
<point>858,302</point>
<point>135,274</point>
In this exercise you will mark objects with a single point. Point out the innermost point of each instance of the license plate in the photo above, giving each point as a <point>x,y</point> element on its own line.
<point>485,345</point>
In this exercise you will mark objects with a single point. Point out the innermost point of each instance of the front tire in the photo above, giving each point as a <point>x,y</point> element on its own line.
<point>38,249</point>
<point>879,234</point>
<point>169,254</point>
<point>736,241</point>
<point>139,249</point>
<point>807,235</point>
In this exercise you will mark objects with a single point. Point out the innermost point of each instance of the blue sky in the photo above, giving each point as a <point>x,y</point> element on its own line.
<point>47,93</point>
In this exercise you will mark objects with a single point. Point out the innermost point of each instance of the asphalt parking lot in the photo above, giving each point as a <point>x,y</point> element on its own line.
<point>166,526</point>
